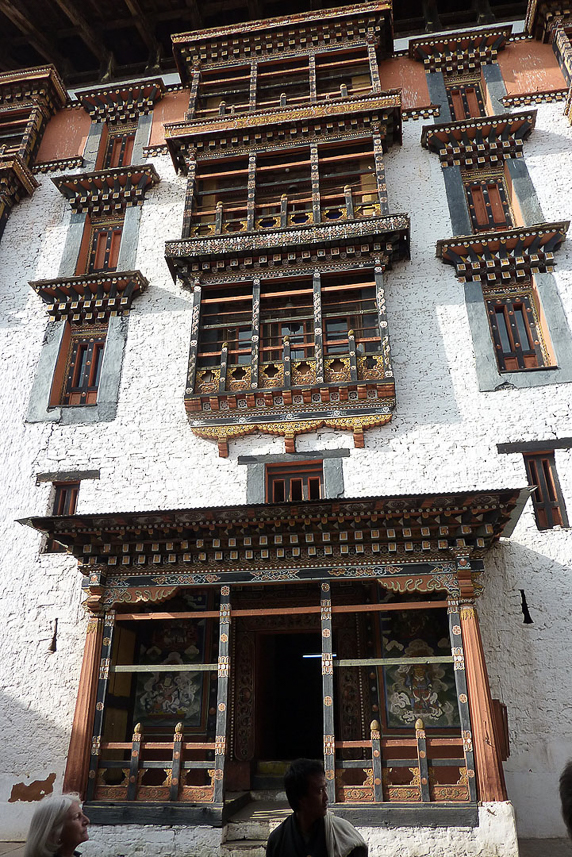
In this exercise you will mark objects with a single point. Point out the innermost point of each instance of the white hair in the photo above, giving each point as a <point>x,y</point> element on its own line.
<point>44,835</point>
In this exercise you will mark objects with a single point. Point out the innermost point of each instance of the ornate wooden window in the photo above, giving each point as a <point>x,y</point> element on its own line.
<point>547,500</point>
<point>119,148</point>
<point>288,315</point>
<point>465,101</point>
<point>226,317</point>
<point>220,197</point>
<point>516,332</point>
<point>343,74</point>
<point>488,205</point>
<point>283,83</point>
<point>100,245</point>
<point>78,371</point>
<point>223,90</point>
<point>294,482</point>
<point>64,503</point>
<point>349,306</point>
<point>283,189</point>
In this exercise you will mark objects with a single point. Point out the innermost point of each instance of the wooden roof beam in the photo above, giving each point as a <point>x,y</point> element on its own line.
<point>36,38</point>
<point>141,21</point>
<point>196,17</point>
<point>87,33</point>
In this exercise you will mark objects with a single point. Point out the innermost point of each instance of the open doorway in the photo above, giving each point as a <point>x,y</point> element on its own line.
<point>289,696</point>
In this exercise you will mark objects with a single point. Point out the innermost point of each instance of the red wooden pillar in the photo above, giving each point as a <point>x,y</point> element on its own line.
<point>77,767</point>
<point>489,772</point>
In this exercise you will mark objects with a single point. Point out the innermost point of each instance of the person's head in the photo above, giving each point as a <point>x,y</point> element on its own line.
<point>58,826</point>
<point>566,796</point>
<point>305,785</point>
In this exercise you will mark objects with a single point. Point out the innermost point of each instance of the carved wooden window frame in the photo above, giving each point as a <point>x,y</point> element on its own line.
<point>291,483</point>
<point>547,499</point>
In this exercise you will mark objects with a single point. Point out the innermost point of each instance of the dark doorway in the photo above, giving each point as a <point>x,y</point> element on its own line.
<point>289,696</point>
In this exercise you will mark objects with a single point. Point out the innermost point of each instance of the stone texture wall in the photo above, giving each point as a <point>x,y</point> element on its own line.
<point>442,438</point>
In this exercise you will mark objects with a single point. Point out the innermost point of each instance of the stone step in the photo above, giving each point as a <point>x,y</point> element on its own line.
<point>247,830</point>
<point>244,848</point>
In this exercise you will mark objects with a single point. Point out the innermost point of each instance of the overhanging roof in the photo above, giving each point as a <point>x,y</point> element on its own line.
<point>354,537</point>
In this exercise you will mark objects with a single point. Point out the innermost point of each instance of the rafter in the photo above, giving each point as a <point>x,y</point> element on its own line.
<point>141,21</point>
<point>36,39</point>
<point>87,33</point>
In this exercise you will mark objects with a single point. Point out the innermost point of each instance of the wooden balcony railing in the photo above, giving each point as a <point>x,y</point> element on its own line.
<point>405,770</point>
<point>155,771</point>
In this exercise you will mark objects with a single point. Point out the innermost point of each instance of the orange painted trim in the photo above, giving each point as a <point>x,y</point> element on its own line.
<point>77,767</point>
<point>489,773</point>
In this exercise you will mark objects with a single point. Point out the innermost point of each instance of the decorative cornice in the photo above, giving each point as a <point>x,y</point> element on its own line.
<point>107,191</point>
<point>459,52</point>
<point>16,180</point>
<point>42,85</point>
<point>355,537</point>
<point>90,297</point>
<point>122,103</point>
<point>479,142</point>
<point>503,257</point>
<point>60,164</point>
<point>383,240</point>
<point>526,98</point>
<point>276,37</point>
<point>240,133</point>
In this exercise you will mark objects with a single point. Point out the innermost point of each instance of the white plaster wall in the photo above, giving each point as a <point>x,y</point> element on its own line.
<point>442,438</point>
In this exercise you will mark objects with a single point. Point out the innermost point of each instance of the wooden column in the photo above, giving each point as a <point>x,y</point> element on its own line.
<point>313,85</point>
<point>102,681</point>
<point>380,171</point>
<point>222,694</point>
<point>315,175</point>
<point>318,335</point>
<point>462,694</point>
<point>251,195</point>
<point>77,767</point>
<point>194,90</point>
<point>189,197</point>
<point>253,85</point>
<point>490,777</point>
<point>373,65</point>
<point>255,352</point>
<point>194,346</point>
<point>382,321</point>
<point>328,692</point>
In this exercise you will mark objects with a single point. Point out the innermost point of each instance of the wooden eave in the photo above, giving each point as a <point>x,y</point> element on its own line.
<point>355,537</point>
<point>387,240</point>
<point>497,257</point>
<point>274,38</point>
<point>41,83</point>
<point>482,142</point>
<point>330,120</point>
<point>122,103</point>
<point>107,191</point>
<point>90,296</point>
<point>543,15</point>
<point>459,52</point>
<point>15,175</point>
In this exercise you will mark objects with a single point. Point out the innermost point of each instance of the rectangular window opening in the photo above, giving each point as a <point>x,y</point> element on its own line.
<point>64,503</point>
<point>547,499</point>
<point>293,483</point>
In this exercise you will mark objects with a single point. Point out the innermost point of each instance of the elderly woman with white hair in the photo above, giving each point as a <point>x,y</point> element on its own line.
<point>58,826</point>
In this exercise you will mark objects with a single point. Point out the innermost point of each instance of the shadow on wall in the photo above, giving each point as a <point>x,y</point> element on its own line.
<point>529,664</point>
<point>32,764</point>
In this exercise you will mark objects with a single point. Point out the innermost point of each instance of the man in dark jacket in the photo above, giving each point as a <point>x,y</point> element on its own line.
<point>311,831</point>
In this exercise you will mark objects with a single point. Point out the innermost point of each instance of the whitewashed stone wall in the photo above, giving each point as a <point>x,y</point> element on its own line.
<point>442,438</point>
